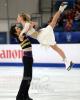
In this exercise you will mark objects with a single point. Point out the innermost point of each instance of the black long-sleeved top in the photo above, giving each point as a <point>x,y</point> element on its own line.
<point>26,46</point>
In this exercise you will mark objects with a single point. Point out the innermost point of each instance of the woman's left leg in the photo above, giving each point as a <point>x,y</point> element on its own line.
<point>67,62</point>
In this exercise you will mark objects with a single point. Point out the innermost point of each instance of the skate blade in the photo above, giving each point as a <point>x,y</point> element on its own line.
<point>69,68</point>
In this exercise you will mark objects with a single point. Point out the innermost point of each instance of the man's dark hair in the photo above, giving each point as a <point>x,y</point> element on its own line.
<point>12,30</point>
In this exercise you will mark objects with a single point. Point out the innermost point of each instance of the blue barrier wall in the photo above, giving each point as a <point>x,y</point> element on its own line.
<point>61,37</point>
<point>67,37</point>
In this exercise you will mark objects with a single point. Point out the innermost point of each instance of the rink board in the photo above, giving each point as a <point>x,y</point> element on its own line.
<point>11,55</point>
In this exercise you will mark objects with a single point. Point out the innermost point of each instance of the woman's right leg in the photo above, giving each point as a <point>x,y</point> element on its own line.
<point>57,15</point>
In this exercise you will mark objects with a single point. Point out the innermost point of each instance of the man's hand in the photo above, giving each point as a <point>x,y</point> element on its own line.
<point>63,6</point>
<point>21,37</point>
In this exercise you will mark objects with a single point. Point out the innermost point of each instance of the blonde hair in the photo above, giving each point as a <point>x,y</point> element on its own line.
<point>26,17</point>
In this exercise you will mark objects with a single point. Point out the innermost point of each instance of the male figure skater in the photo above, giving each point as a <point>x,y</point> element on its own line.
<point>27,62</point>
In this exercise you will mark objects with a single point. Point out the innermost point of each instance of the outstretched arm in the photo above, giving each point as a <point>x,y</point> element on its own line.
<point>57,15</point>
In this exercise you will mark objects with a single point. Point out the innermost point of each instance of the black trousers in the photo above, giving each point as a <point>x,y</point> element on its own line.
<point>27,77</point>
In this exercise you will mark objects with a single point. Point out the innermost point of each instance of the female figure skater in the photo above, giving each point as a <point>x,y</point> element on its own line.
<point>27,62</point>
<point>45,35</point>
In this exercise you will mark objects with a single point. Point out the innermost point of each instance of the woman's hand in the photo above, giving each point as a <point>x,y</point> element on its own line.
<point>33,24</point>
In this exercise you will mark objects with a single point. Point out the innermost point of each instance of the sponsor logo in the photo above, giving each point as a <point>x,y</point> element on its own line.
<point>11,54</point>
